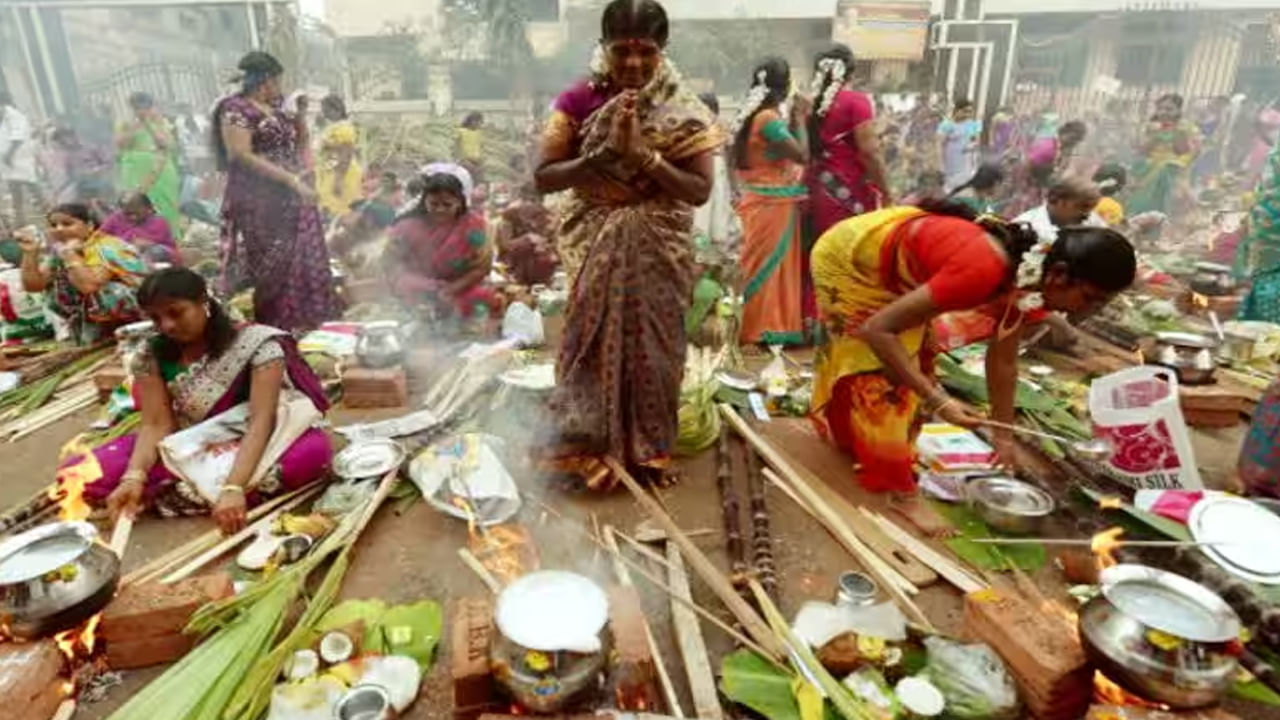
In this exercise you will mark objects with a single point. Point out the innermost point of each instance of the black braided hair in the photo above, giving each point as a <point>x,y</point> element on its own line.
<point>777,78</point>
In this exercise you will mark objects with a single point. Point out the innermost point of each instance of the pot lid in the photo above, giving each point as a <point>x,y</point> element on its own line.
<point>368,458</point>
<point>1170,603</point>
<point>1243,534</point>
<point>43,549</point>
<point>1187,340</point>
<point>553,610</point>
<point>1213,267</point>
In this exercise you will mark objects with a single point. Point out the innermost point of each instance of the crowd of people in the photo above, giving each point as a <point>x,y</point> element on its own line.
<point>880,236</point>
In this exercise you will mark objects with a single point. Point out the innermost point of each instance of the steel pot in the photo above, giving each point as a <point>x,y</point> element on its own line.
<point>378,345</point>
<point>1212,279</point>
<point>1190,355</point>
<point>1010,505</point>
<point>54,577</point>
<point>551,644</point>
<point>1161,636</point>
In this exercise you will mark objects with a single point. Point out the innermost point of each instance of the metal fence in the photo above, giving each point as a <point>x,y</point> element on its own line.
<point>170,84</point>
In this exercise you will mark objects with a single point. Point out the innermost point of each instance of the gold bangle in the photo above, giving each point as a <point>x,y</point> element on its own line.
<point>232,488</point>
<point>134,476</point>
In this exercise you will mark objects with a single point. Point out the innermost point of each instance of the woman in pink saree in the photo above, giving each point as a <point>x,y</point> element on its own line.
<point>198,367</point>
<point>847,174</point>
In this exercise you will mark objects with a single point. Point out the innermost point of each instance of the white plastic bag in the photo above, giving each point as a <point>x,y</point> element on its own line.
<point>972,679</point>
<point>523,324</point>
<point>1138,411</point>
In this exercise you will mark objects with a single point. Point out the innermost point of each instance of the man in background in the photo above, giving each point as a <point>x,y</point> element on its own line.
<point>17,157</point>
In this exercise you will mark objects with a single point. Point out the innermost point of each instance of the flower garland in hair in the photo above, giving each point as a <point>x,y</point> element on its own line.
<point>755,98</point>
<point>834,71</point>
<point>1031,273</point>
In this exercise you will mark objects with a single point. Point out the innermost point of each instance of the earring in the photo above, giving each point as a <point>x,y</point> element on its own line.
<point>208,311</point>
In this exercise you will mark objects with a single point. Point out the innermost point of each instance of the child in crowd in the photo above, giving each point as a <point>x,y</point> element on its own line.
<point>1111,179</point>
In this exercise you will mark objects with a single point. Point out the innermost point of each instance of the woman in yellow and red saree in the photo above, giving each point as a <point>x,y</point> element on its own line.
<point>636,150</point>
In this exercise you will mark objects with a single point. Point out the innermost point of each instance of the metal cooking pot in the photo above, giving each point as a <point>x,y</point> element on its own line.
<point>1161,636</point>
<point>378,345</point>
<point>54,577</point>
<point>532,615</point>
<point>1190,355</point>
<point>1213,279</point>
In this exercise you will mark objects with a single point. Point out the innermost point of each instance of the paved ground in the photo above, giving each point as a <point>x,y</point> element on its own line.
<point>412,556</point>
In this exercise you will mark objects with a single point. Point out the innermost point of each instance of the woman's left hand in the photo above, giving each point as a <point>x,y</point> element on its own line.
<point>1006,448</point>
<point>229,512</point>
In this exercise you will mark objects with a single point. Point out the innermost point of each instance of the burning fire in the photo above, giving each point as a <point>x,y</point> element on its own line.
<point>1107,692</point>
<point>1104,545</point>
<point>505,550</point>
<point>68,492</point>
<point>1199,301</point>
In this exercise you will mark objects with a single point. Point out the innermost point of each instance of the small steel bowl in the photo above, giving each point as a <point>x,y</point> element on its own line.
<point>364,702</point>
<point>1009,505</point>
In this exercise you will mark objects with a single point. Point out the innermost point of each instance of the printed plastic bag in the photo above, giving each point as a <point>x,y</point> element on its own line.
<point>1138,411</point>
<point>523,324</point>
<point>973,680</point>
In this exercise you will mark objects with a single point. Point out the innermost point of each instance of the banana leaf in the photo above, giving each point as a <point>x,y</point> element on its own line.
<point>988,557</point>
<point>750,680</point>
<point>1169,528</point>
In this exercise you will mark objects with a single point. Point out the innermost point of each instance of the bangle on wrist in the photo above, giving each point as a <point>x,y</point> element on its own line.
<point>134,476</point>
<point>229,487</point>
<point>651,162</point>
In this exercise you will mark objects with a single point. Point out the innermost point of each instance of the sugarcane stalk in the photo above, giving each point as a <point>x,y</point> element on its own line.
<point>761,537</point>
<point>732,516</point>
<point>1264,671</point>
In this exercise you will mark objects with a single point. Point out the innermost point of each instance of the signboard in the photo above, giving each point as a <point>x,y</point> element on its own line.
<point>883,29</point>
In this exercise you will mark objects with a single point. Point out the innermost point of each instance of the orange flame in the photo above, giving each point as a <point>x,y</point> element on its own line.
<point>1110,503</point>
<point>1199,301</point>
<point>79,642</point>
<point>1107,692</point>
<point>507,551</point>
<point>68,492</point>
<point>1104,545</point>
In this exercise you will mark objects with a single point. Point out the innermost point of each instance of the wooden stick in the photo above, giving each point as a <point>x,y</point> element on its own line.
<point>66,710</point>
<point>120,534</point>
<point>693,648</point>
<point>644,573</point>
<point>719,584</point>
<point>948,569</point>
<point>829,517</point>
<point>843,535</point>
<point>230,543</point>
<point>158,566</point>
<point>624,577</point>
<point>470,560</point>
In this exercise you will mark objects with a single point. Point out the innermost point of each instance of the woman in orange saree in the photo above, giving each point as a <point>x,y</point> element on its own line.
<point>635,148</point>
<point>770,154</point>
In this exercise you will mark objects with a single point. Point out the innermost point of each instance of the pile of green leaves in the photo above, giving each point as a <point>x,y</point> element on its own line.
<point>988,557</point>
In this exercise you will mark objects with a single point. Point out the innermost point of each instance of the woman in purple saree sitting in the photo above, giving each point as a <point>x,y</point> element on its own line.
<point>199,366</point>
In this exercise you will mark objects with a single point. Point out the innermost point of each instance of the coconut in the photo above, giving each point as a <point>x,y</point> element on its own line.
<point>336,647</point>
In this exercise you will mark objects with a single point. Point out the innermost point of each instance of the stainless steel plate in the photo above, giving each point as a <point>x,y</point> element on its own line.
<point>1011,496</point>
<point>1244,536</point>
<point>1170,603</point>
<point>368,458</point>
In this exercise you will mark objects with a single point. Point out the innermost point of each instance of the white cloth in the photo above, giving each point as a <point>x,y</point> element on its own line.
<point>14,127</point>
<point>716,218</point>
<point>1038,219</point>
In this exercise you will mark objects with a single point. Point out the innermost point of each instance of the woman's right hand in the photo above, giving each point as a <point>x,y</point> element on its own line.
<point>126,499</point>
<point>27,242</point>
<point>957,413</point>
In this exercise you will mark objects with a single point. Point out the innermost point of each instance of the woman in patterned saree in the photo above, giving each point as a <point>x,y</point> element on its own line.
<point>271,234</point>
<point>1170,145</point>
<point>769,154</point>
<point>200,366</point>
<point>636,149</point>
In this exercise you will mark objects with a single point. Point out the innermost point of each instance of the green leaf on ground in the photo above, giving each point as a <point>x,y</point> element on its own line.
<point>750,680</point>
<point>1255,691</point>
<point>987,557</point>
<point>1169,528</point>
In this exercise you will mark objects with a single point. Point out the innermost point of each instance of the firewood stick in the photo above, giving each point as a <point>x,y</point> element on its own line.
<point>953,572</point>
<point>120,534</point>
<point>190,549</point>
<point>470,560</point>
<point>66,710</point>
<point>840,536</point>
<point>231,542</point>
<point>693,648</point>
<point>660,584</point>
<point>719,584</point>
<point>624,577</point>
<point>830,518</point>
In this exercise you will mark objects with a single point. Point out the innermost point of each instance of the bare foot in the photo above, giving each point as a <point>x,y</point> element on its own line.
<point>917,511</point>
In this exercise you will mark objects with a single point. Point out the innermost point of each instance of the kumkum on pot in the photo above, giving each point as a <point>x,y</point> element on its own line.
<point>54,577</point>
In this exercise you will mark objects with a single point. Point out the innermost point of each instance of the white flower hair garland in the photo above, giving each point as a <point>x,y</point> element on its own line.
<point>831,71</point>
<point>755,98</point>
<point>1030,274</point>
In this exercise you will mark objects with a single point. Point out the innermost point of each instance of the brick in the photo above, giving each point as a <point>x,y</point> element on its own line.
<point>153,610</point>
<point>368,388</point>
<point>30,680</point>
<point>473,688</point>
<point>1041,648</point>
<point>634,675</point>
<point>147,651</point>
